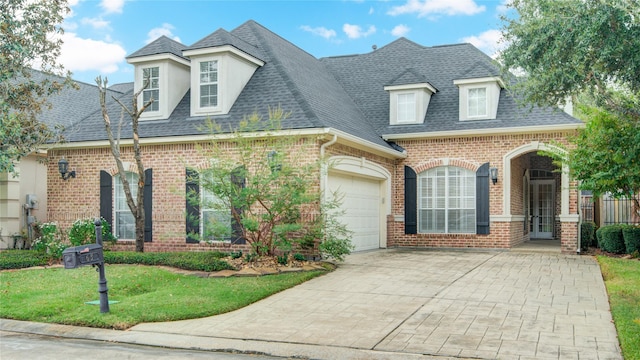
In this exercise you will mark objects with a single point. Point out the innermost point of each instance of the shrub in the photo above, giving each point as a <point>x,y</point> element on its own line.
<point>49,240</point>
<point>19,259</point>
<point>83,232</point>
<point>631,236</point>
<point>198,261</point>
<point>599,237</point>
<point>299,257</point>
<point>587,235</point>
<point>283,259</point>
<point>612,240</point>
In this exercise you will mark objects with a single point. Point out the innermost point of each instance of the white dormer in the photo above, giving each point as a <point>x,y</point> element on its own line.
<point>408,103</point>
<point>218,75</point>
<point>479,97</point>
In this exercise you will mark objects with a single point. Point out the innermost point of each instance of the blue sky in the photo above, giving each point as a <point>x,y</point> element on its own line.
<point>99,34</point>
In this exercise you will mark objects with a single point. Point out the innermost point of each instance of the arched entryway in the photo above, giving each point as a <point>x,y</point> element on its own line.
<point>538,201</point>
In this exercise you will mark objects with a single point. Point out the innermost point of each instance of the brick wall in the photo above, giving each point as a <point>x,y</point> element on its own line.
<point>470,153</point>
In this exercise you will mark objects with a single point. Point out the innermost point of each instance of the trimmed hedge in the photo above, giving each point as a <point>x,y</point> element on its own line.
<point>20,259</point>
<point>631,235</point>
<point>599,237</point>
<point>198,261</point>
<point>612,240</point>
<point>587,235</point>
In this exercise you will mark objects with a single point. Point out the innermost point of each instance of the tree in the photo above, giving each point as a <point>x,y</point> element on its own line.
<point>261,181</point>
<point>577,49</point>
<point>135,205</point>
<point>29,37</point>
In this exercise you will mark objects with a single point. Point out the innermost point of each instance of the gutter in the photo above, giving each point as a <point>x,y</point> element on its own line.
<point>480,132</point>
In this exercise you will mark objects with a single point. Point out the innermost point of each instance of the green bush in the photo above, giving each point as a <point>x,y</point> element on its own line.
<point>599,237</point>
<point>50,240</point>
<point>631,236</point>
<point>19,259</point>
<point>587,235</point>
<point>198,261</point>
<point>299,257</point>
<point>83,232</point>
<point>612,240</point>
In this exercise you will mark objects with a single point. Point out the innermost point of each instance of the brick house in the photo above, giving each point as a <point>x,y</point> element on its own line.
<point>428,147</point>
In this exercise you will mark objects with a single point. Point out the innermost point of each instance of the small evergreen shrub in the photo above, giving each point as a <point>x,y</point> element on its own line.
<point>587,235</point>
<point>197,261</point>
<point>631,236</point>
<point>612,240</point>
<point>20,259</point>
<point>283,259</point>
<point>83,231</point>
<point>599,237</point>
<point>299,257</point>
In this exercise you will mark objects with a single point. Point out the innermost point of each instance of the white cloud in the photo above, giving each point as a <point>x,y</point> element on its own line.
<point>400,30</point>
<point>96,23</point>
<point>320,31</point>
<point>112,6</point>
<point>437,7</point>
<point>489,41</point>
<point>78,54</point>
<point>165,29</point>
<point>355,31</point>
<point>371,10</point>
<point>503,8</point>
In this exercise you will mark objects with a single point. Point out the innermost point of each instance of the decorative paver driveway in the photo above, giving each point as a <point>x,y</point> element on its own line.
<point>461,304</point>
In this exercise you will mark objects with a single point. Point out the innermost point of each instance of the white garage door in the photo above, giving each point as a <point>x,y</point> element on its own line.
<point>361,205</point>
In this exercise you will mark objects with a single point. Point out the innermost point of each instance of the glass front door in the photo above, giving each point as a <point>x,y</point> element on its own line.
<point>542,208</point>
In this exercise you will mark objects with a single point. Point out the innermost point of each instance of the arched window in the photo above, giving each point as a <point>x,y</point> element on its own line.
<point>124,222</point>
<point>447,200</point>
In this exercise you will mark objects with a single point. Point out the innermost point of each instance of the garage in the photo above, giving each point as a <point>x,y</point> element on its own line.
<point>361,203</point>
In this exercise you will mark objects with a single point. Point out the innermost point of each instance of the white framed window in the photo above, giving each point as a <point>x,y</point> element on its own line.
<point>151,77</point>
<point>477,102</point>
<point>215,214</point>
<point>209,84</point>
<point>124,222</point>
<point>406,108</point>
<point>447,200</point>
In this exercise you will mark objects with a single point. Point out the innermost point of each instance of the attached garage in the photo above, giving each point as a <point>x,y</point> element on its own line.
<point>362,206</point>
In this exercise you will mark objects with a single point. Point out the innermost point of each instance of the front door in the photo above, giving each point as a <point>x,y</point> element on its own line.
<point>542,208</point>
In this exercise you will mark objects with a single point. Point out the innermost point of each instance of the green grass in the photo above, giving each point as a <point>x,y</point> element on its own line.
<point>145,294</point>
<point>622,279</point>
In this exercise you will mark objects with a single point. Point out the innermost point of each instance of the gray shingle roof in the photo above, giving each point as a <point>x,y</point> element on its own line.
<point>222,37</point>
<point>345,93</point>
<point>161,45</point>
<point>362,76</point>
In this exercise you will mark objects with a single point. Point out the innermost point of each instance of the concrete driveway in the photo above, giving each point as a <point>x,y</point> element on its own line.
<point>442,303</point>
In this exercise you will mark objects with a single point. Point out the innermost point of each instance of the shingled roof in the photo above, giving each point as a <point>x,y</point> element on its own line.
<point>161,45</point>
<point>344,93</point>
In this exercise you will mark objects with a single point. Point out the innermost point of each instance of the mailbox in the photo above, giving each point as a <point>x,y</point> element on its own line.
<point>90,254</point>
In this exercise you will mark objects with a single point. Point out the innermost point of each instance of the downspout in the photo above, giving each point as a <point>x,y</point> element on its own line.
<point>579,222</point>
<point>324,169</point>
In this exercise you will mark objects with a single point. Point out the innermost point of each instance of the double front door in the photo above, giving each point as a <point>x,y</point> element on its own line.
<point>542,206</point>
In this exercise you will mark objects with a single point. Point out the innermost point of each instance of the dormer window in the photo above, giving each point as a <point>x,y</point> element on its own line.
<point>407,108</point>
<point>409,103</point>
<point>209,84</point>
<point>477,102</point>
<point>479,97</point>
<point>151,77</point>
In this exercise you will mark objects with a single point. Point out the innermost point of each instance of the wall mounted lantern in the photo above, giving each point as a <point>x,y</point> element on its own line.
<point>494,174</point>
<point>63,168</point>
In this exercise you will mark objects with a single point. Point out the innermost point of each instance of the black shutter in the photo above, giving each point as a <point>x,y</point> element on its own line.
<point>192,206</point>
<point>482,200</point>
<point>148,205</point>
<point>410,201</point>
<point>106,198</point>
<point>237,177</point>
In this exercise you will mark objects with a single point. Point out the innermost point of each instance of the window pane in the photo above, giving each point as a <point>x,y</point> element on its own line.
<point>215,213</point>
<point>446,200</point>
<point>406,108</point>
<point>477,102</point>
<point>124,221</point>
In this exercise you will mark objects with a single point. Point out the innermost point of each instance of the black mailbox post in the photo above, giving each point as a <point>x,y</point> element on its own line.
<point>90,254</point>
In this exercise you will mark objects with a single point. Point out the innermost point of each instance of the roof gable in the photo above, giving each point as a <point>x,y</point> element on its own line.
<point>161,45</point>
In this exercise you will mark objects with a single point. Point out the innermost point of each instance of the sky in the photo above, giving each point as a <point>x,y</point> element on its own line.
<point>99,34</point>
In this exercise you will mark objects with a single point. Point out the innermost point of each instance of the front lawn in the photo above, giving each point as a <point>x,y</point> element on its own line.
<point>144,294</point>
<point>622,279</point>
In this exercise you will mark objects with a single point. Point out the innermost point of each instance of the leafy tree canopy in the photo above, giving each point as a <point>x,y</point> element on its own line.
<point>30,36</point>
<point>567,47</point>
<point>584,49</point>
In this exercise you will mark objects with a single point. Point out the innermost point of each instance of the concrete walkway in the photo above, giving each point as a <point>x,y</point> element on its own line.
<point>392,304</point>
